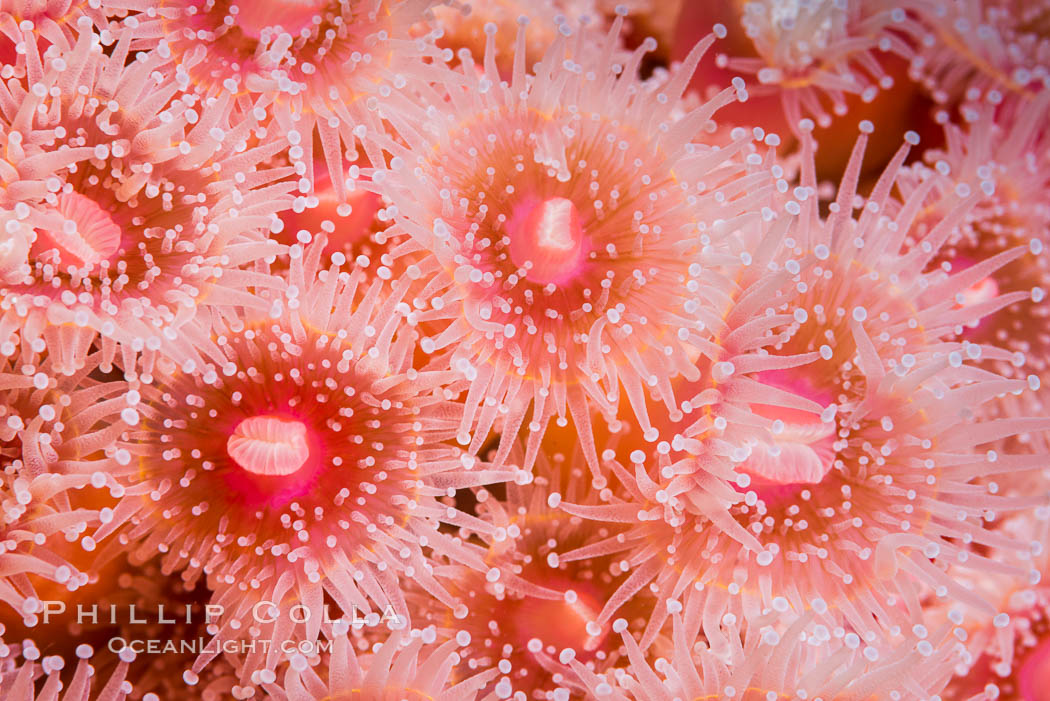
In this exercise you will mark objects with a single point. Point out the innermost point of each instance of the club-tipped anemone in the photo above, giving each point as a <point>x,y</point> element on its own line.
<point>1001,140</point>
<point>449,350</point>
<point>29,26</point>
<point>468,29</point>
<point>852,421</point>
<point>309,462</point>
<point>37,677</point>
<point>516,628</point>
<point>884,523</point>
<point>563,222</point>
<point>1015,669</point>
<point>100,614</point>
<point>1007,142</point>
<point>1013,653</point>
<point>406,666</point>
<point>965,49</point>
<point>136,212</point>
<point>57,436</point>
<point>63,427</point>
<point>308,69</point>
<point>349,224</point>
<point>814,54</point>
<point>31,558</point>
<point>1010,649</point>
<point>803,661</point>
<point>531,607</point>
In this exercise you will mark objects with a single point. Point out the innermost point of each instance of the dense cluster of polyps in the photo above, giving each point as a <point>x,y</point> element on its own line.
<point>406,349</point>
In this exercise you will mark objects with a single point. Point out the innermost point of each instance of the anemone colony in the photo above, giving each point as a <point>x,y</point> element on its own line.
<point>398,350</point>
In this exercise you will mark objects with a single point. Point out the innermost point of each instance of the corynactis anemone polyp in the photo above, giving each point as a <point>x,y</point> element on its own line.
<point>20,679</point>
<point>97,615</point>
<point>966,48</point>
<point>813,53</point>
<point>1012,649</point>
<point>449,350</point>
<point>462,29</point>
<point>29,26</point>
<point>864,489</point>
<point>1007,141</point>
<point>56,434</point>
<point>135,208</point>
<point>520,630</point>
<point>310,461</point>
<point>807,662</point>
<point>348,223</point>
<point>532,609</point>
<point>562,222</point>
<point>308,68</point>
<point>415,669</point>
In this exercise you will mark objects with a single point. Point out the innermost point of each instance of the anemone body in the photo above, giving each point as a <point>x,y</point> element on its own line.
<point>966,49</point>
<point>467,30</point>
<point>305,69</point>
<point>309,463</point>
<point>21,680</point>
<point>851,421</point>
<point>531,610</point>
<point>349,224</point>
<point>57,437</point>
<point>561,222</point>
<point>1007,141</point>
<point>814,54</point>
<point>805,663</point>
<point>137,211</point>
<point>404,667</point>
<point>32,25</point>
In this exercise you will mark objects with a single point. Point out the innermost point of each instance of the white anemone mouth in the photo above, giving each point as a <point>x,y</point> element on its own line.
<point>87,236</point>
<point>269,445</point>
<point>547,238</point>
<point>801,453</point>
